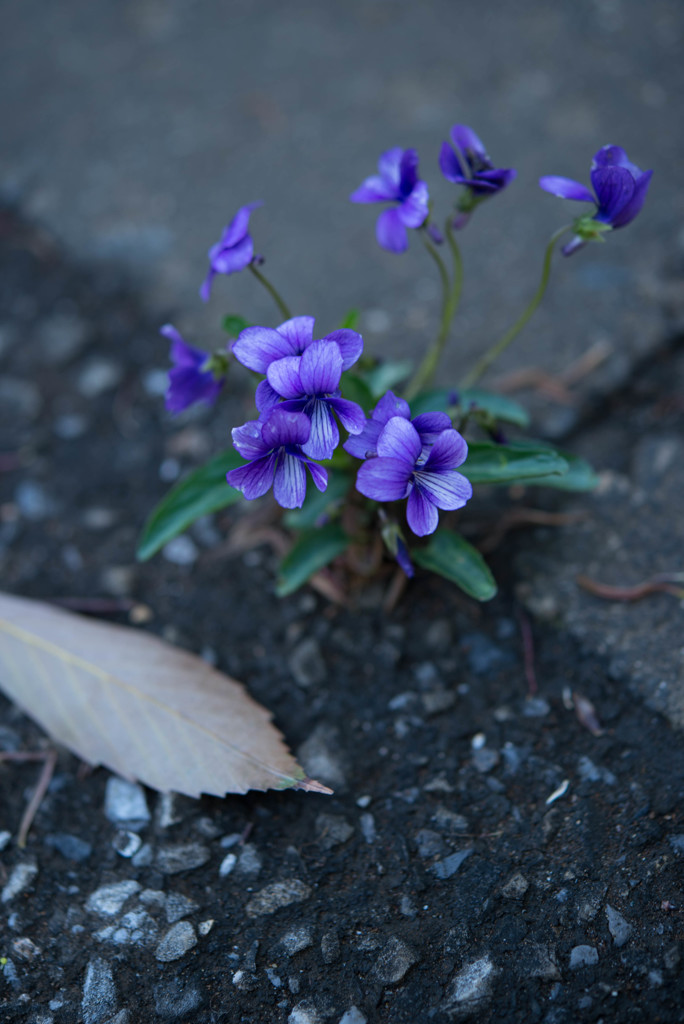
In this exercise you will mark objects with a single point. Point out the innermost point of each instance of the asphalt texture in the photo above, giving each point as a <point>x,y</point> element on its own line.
<point>133,134</point>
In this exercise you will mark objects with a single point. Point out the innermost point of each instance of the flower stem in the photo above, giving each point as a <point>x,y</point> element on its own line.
<point>282,307</point>
<point>451,293</point>
<point>504,341</point>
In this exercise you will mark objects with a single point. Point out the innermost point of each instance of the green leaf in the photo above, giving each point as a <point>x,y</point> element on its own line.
<point>356,390</point>
<point>317,504</point>
<point>313,550</point>
<point>579,477</point>
<point>497,406</point>
<point>205,490</point>
<point>386,375</point>
<point>451,556</point>
<point>350,321</point>
<point>490,463</point>
<point>234,325</point>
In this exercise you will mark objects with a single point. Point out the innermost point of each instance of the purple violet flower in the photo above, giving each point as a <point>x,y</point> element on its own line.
<point>274,450</point>
<point>428,425</point>
<point>258,347</point>
<point>401,470</point>
<point>397,182</point>
<point>620,188</point>
<point>470,166</point>
<point>233,251</point>
<point>190,379</point>
<point>310,384</point>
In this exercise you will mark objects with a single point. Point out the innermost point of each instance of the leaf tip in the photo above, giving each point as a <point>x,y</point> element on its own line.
<point>313,786</point>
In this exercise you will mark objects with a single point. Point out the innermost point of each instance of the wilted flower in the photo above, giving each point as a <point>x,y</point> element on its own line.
<point>310,384</point>
<point>402,470</point>
<point>620,188</point>
<point>276,459</point>
<point>192,378</point>
<point>428,425</point>
<point>233,251</point>
<point>470,166</point>
<point>397,182</point>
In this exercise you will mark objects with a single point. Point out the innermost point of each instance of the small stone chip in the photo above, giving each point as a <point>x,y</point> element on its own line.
<point>109,899</point>
<point>184,857</point>
<point>21,877</point>
<point>618,927</point>
<point>394,961</point>
<point>583,956</point>
<point>516,887</point>
<point>277,895</point>
<point>449,865</point>
<point>176,943</point>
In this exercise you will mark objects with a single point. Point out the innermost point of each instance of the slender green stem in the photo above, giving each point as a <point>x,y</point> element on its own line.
<point>282,307</point>
<point>458,264</point>
<point>504,341</point>
<point>451,293</point>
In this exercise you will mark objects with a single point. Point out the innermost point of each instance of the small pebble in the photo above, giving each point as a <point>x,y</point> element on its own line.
<point>181,550</point>
<point>367,822</point>
<point>472,983</point>
<point>618,927</point>
<point>583,956</point>
<point>394,961</point>
<point>204,927</point>
<point>364,801</point>
<point>227,865</point>
<point>353,1016</point>
<point>429,843</point>
<point>125,803</point>
<point>449,865</point>
<point>320,757</point>
<point>516,887</point>
<point>332,830</point>
<point>99,376</point>
<point>176,943</point>
<point>126,843</point>
<point>144,857</point>
<point>676,842</point>
<point>109,899</point>
<point>70,426</point>
<point>4,839</point>
<point>174,1000</point>
<point>33,501</point>
<point>21,877</point>
<point>277,895</point>
<point>305,1013</point>
<point>25,948</point>
<point>184,857</point>
<point>249,860</point>
<point>536,707</point>
<point>297,939</point>
<point>69,846</point>
<point>155,382</point>
<point>178,906</point>
<point>98,518</point>
<point>99,993</point>
<point>485,759</point>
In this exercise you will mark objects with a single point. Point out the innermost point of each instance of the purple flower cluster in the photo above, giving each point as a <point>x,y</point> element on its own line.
<point>299,403</point>
<point>411,458</point>
<point>620,188</point>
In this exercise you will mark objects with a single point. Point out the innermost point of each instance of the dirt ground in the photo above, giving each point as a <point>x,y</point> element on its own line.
<point>485,855</point>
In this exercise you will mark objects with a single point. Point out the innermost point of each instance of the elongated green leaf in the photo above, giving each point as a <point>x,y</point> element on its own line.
<point>234,325</point>
<point>579,477</point>
<point>204,491</point>
<point>313,550</point>
<point>500,407</point>
<point>318,504</point>
<point>117,696</point>
<point>490,463</point>
<point>451,556</point>
<point>386,375</point>
<point>356,390</point>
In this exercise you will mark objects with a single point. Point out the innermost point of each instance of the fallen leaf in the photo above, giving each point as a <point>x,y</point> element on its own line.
<point>121,698</point>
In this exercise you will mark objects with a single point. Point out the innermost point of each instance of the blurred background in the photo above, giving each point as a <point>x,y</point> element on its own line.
<point>134,129</point>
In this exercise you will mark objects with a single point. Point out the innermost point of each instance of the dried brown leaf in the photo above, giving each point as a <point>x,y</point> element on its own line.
<point>118,697</point>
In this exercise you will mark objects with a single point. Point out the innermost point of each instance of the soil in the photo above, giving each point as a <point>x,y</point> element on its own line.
<point>490,852</point>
